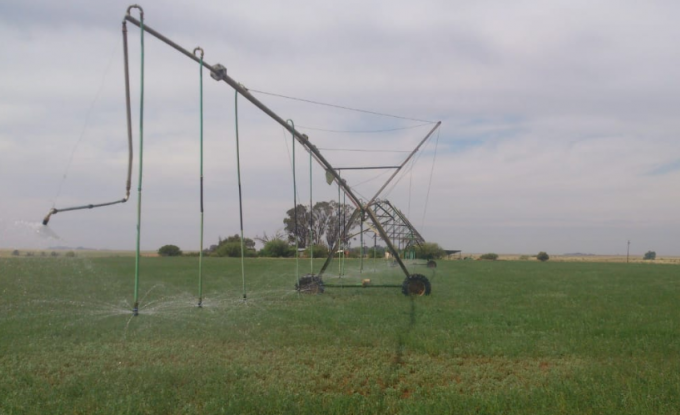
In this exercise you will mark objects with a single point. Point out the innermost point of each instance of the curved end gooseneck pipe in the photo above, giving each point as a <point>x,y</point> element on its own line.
<point>128,181</point>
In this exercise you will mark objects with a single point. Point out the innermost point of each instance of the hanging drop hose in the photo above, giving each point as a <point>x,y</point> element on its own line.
<point>128,181</point>
<point>297,256</point>
<point>200,254</point>
<point>240,197</point>
<point>135,309</point>
<point>361,241</point>
<point>339,236</point>
<point>311,219</point>
<point>344,229</point>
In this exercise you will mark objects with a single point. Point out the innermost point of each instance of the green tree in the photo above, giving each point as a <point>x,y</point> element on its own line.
<point>542,256</point>
<point>429,250</point>
<point>490,256</point>
<point>329,221</point>
<point>297,228</point>
<point>650,255</point>
<point>169,250</point>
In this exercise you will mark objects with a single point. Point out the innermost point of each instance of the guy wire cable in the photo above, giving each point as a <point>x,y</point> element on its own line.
<point>385,130</point>
<point>88,115</point>
<point>309,101</point>
<point>434,158</point>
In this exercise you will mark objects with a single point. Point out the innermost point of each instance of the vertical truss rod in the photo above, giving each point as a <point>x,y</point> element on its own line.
<point>301,138</point>
<point>415,150</point>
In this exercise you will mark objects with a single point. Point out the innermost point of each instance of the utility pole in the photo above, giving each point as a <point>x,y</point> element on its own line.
<point>628,252</point>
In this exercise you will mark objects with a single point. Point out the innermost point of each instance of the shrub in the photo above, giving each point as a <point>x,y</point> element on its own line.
<point>375,252</point>
<point>490,256</point>
<point>230,249</point>
<point>650,255</point>
<point>524,258</point>
<point>29,253</point>
<point>233,250</point>
<point>278,248</point>
<point>542,256</point>
<point>429,250</point>
<point>169,250</point>
<point>54,254</point>
<point>320,251</point>
<point>16,252</point>
<point>70,254</point>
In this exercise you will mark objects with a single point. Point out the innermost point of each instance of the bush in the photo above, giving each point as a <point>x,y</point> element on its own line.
<point>70,254</point>
<point>320,251</point>
<point>542,256</point>
<point>650,255</point>
<point>429,250</point>
<point>490,256</point>
<point>277,248</point>
<point>16,252</point>
<point>375,252</point>
<point>169,250</point>
<point>233,250</point>
<point>54,254</point>
<point>524,258</point>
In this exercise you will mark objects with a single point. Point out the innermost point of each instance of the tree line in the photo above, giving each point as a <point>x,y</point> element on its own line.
<point>325,225</point>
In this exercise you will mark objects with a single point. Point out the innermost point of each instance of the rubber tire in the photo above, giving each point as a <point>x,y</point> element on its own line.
<point>310,284</point>
<point>416,285</point>
<point>431,264</point>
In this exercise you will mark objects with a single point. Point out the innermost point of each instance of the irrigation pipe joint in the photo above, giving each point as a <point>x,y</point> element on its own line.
<point>138,7</point>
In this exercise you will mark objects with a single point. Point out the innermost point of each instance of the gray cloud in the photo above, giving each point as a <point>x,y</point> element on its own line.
<point>559,126</point>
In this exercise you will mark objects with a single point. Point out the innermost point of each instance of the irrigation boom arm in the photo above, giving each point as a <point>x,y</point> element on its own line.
<point>218,72</point>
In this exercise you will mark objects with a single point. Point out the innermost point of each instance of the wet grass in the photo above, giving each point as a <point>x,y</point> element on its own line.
<point>494,337</point>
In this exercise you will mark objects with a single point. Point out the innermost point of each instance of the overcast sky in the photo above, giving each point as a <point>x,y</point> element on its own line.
<point>559,119</point>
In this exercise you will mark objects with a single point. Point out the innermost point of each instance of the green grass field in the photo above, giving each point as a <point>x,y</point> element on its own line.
<point>494,337</point>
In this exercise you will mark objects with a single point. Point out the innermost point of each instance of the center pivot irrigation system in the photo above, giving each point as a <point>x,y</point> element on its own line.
<point>376,212</point>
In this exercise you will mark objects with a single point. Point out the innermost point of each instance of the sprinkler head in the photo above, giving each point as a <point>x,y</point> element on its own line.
<point>47,218</point>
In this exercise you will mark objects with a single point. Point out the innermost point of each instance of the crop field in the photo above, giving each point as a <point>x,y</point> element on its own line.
<point>510,337</point>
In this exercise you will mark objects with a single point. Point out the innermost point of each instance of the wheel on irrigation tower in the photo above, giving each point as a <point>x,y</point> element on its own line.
<point>416,285</point>
<point>431,264</point>
<point>310,284</point>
